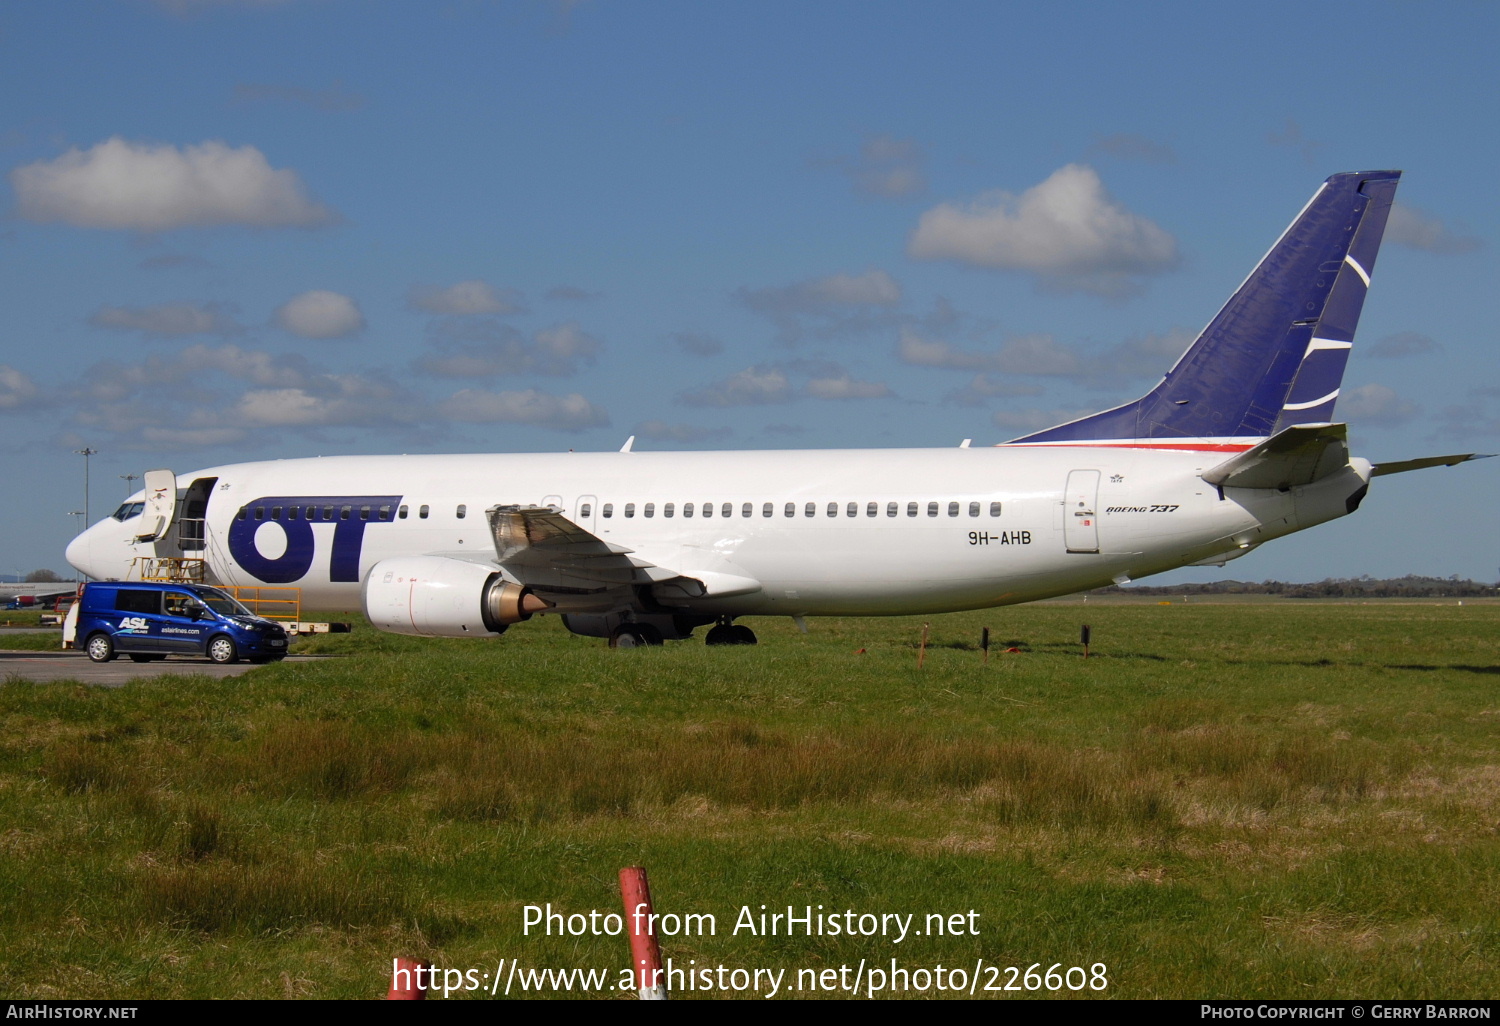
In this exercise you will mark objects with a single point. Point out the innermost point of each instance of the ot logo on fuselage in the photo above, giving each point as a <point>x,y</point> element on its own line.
<point>298,517</point>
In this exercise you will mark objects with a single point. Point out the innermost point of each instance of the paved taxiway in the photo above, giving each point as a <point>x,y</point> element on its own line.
<point>48,666</point>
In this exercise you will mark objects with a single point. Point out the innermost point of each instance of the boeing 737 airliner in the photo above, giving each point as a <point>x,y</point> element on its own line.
<point>1234,447</point>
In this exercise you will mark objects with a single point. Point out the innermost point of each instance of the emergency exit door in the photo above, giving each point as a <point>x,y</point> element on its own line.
<point>1081,511</point>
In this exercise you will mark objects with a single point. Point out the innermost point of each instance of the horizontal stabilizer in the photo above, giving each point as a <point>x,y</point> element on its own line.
<point>1403,466</point>
<point>1294,456</point>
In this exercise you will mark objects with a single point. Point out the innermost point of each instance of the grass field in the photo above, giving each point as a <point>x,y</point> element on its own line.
<point>1228,800</point>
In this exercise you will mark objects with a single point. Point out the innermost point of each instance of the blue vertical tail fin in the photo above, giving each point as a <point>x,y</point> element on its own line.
<point>1275,354</point>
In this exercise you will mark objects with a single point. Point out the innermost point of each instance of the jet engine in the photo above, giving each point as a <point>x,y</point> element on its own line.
<point>434,596</point>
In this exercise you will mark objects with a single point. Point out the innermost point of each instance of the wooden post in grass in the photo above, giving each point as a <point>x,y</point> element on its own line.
<point>984,644</point>
<point>645,955</point>
<point>922,650</point>
<point>1083,636</point>
<point>406,979</point>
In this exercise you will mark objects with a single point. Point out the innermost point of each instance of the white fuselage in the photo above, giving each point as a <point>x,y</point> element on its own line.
<point>823,532</point>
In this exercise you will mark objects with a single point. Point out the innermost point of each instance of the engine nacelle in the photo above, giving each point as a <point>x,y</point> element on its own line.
<point>434,596</point>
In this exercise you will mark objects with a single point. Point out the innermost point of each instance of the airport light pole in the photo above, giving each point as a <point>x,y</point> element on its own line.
<point>86,452</point>
<point>130,480</point>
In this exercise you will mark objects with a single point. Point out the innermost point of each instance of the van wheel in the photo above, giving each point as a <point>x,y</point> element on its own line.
<point>222,650</point>
<point>100,648</point>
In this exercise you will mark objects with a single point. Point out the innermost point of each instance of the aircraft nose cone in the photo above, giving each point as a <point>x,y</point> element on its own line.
<point>79,553</point>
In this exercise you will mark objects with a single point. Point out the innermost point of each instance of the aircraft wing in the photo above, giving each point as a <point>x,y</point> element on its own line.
<point>1298,455</point>
<point>545,550</point>
<point>1403,466</point>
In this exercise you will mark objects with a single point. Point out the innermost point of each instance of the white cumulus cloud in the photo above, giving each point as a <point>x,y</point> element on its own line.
<point>16,389</point>
<point>1417,229</point>
<point>842,386</point>
<point>320,314</point>
<point>753,386</point>
<point>466,298</point>
<point>151,188</point>
<point>1021,354</point>
<point>1066,230</point>
<point>571,412</point>
<point>1376,406</point>
<point>661,431</point>
<point>167,319</point>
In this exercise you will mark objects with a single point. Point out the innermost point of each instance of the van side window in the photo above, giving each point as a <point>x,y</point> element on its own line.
<point>136,600</point>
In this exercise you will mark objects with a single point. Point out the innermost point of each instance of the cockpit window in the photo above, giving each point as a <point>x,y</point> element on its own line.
<point>128,510</point>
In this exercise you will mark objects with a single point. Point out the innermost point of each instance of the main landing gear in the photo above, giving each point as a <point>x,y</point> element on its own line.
<point>726,633</point>
<point>634,635</point>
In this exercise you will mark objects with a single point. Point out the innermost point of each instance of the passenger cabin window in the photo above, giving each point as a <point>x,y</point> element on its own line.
<point>260,512</point>
<point>767,510</point>
<point>852,510</point>
<point>687,509</point>
<point>872,509</point>
<point>364,512</point>
<point>463,510</point>
<point>242,514</point>
<point>727,509</point>
<point>747,510</point>
<point>650,509</point>
<point>586,510</point>
<point>708,509</point>
<point>953,509</point>
<point>422,512</point>
<point>911,509</point>
<point>385,512</point>
<point>608,510</point>
<point>833,509</point>
<point>401,513</point>
<point>890,509</point>
<point>293,512</point>
<point>344,512</point>
<point>932,509</point>
<point>973,509</point>
<point>994,509</point>
<point>810,510</point>
<point>790,510</point>
<point>668,509</point>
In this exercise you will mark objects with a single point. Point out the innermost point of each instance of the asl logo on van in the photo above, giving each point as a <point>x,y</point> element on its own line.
<point>301,518</point>
<point>131,624</point>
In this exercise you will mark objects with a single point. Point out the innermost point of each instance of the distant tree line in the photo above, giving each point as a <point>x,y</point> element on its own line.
<point>1410,586</point>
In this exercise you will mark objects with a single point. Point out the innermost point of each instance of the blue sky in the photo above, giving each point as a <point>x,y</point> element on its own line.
<point>249,230</point>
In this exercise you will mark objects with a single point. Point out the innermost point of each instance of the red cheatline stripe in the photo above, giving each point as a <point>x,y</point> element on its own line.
<point>1184,446</point>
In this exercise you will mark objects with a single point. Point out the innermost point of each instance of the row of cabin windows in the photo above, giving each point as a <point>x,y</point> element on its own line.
<point>320,513</point>
<point>668,509</point>
<point>809,509</point>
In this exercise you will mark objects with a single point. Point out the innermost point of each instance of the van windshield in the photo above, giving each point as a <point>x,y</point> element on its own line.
<point>221,602</point>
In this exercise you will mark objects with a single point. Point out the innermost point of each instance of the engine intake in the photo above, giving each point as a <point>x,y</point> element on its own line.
<point>435,596</point>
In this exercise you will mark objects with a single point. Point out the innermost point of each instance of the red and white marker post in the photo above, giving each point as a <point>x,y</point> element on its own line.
<point>645,955</point>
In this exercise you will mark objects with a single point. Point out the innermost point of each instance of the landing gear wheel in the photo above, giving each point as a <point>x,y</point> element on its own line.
<point>634,635</point>
<point>222,650</point>
<point>720,634</point>
<point>137,657</point>
<point>100,648</point>
<point>743,635</point>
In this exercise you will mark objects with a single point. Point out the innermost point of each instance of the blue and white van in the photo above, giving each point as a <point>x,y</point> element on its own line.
<point>148,621</point>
